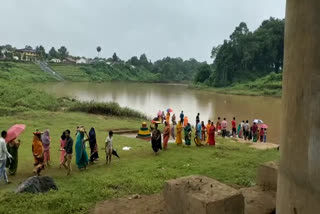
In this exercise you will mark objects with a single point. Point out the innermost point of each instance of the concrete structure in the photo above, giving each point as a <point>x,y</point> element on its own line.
<point>299,169</point>
<point>268,176</point>
<point>27,54</point>
<point>55,60</point>
<point>201,195</point>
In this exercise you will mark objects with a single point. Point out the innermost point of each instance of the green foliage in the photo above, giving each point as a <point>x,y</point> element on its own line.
<point>248,55</point>
<point>62,52</point>
<point>17,97</point>
<point>109,108</point>
<point>203,74</point>
<point>53,53</point>
<point>23,71</point>
<point>41,52</point>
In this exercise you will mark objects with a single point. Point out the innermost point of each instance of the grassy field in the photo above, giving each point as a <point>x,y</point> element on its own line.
<point>138,170</point>
<point>23,71</point>
<point>270,85</point>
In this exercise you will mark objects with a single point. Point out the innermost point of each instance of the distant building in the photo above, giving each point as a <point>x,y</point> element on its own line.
<point>55,60</point>
<point>82,61</point>
<point>15,57</point>
<point>27,54</point>
<point>70,60</point>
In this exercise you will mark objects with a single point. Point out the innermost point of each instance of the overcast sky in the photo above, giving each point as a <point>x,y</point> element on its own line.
<point>159,28</point>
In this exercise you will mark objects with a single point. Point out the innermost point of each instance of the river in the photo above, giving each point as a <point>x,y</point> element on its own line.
<point>149,98</point>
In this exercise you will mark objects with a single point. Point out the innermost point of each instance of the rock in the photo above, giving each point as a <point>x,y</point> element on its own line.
<point>268,176</point>
<point>201,195</point>
<point>37,184</point>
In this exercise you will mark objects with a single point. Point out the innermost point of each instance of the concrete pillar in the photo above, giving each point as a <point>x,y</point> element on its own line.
<point>299,170</point>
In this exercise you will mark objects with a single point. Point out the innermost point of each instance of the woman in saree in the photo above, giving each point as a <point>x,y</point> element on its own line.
<point>208,129</point>
<point>93,145</point>
<point>12,164</point>
<point>173,128</point>
<point>156,139</point>
<point>197,138</point>
<point>239,131</point>
<point>37,151</point>
<point>163,117</point>
<point>81,153</point>
<point>63,140</point>
<point>46,146</point>
<point>211,136</point>
<point>179,133</point>
<point>168,118</point>
<point>166,135</point>
<point>203,132</point>
<point>187,134</point>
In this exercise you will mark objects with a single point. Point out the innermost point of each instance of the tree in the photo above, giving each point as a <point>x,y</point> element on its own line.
<point>203,73</point>
<point>28,47</point>
<point>41,52</point>
<point>98,50</point>
<point>115,58</point>
<point>53,53</point>
<point>62,52</point>
<point>215,51</point>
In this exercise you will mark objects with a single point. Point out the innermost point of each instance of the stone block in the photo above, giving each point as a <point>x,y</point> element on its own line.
<point>201,195</point>
<point>268,176</point>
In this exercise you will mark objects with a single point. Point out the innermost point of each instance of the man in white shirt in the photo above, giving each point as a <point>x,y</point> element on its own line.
<point>4,154</point>
<point>109,147</point>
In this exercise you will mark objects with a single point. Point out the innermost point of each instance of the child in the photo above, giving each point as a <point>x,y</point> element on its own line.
<point>265,136</point>
<point>261,134</point>
<point>108,147</point>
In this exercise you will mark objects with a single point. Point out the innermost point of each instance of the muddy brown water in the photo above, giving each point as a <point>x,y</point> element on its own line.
<point>149,98</point>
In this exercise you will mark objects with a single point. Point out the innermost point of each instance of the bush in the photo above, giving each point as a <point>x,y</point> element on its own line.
<point>110,108</point>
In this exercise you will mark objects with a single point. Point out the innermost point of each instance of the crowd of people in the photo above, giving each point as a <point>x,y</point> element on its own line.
<point>41,151</point>
<point>204,134</point>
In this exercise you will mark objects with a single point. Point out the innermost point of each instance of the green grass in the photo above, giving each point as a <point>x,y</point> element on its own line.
<point>270,85</point>
<point>23,71</point>
<point>138,170</point>
<point>70,72</point>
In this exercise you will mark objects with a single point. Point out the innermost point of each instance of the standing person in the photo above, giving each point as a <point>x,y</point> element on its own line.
<point>181,116</point>
<point>173,119</point>
<point>198,118</point>
<point>12,164</point>
<point>38,153</point>
<point>46,140</point>
<point>261,134</point>
<point>166,135</point>
<point>197,137</point>
<point>163,117</point>
<point>246,128</point>
<point>224,125</point>
<point>239,131</point>
<point>63,140</point>
<point>168,117</point>
<point>93,145</point>
<point>68,148</point>
<point>208,130</point>
<point>265,135</point>
<point>156,139</point>
<point>218,126</point>
<point>198,129</point>
<point>108,147</point>
<point>234,127</point>
<point>243,129</point>
<point>254,132</point>
<point>185,121</point>
<point>203,132</point>
<point>187,134</point>
<point>211,137</point>
<point>4,154</point>
<point>179,133</point>
<point>81,153</point>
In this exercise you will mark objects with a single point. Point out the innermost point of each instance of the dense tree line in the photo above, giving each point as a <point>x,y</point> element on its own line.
<point>246,55</point>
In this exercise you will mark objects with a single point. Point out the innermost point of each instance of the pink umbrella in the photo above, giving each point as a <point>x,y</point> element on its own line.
<point>263,126</point>
<point>15,131</point>
<point>169,110</point>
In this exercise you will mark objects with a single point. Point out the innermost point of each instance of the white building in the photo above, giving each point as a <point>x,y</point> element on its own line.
<point>82,61</point>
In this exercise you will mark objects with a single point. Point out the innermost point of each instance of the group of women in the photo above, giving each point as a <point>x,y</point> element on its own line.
<point>41,146</point>
<point>203,134</point>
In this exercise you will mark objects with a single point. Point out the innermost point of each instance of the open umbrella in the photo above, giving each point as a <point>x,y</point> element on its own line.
<point>263,126</point>
<point>15,131</point>
<point>258,121</point>
<point>169,110</point>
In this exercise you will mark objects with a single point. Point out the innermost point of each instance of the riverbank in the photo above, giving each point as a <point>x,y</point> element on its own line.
<point>270,85</point>
<point>137,172</point>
